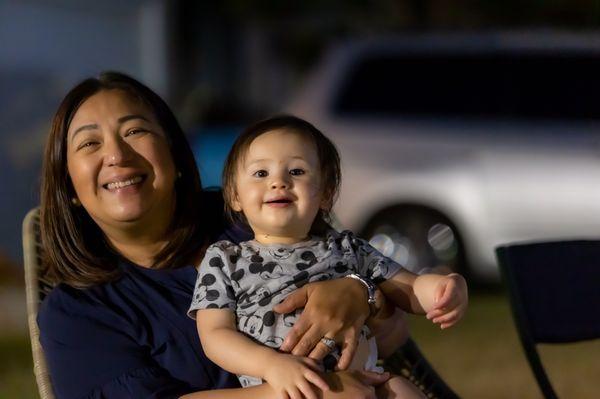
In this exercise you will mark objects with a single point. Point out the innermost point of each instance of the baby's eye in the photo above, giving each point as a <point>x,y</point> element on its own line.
<point>260,173</point>
<point>297,172</point>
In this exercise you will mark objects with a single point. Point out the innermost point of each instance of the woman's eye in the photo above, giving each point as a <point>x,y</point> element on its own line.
<point>134,131</point>
<point>297,172</point>
<point>260,173</point>
<point>86,144</point>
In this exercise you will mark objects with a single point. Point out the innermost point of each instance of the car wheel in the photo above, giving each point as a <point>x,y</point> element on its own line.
<point>417,238</point>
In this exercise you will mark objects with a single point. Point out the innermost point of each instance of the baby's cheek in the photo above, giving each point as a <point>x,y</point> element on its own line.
<point>315,191</point>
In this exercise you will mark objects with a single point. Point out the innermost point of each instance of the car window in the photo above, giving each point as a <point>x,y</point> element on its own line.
<point>491,85</point>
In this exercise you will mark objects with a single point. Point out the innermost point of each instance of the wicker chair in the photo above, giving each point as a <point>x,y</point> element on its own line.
<point>37,286</point>
<point>408,361</point>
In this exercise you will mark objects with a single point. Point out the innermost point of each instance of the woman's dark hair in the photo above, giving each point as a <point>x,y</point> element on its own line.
<point>75,248</point>
<point>328,155</point>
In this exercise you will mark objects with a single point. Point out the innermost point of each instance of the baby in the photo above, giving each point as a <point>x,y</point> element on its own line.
<point>281,178</point>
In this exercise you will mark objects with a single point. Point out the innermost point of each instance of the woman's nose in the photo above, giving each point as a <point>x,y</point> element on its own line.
<point>117,152</point>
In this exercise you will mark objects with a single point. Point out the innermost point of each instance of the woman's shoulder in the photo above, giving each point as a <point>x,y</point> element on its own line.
<point>64,296</point>
<point>65,305</point>
<point>107,305</point>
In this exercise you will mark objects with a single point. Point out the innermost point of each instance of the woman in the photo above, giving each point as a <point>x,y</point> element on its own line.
<point>123,221</point>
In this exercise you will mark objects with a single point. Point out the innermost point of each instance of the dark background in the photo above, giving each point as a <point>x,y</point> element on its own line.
<point>216,62</point>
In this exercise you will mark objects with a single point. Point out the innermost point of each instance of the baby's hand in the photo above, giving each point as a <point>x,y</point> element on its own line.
<point>450,301</point>
<point>291,377</point>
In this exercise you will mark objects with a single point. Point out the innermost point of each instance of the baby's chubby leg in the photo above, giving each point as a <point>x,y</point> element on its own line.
<point>398,388</point>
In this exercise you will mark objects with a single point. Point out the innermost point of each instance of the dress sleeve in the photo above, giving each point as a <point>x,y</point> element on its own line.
<point>92,356</point>
<point>371,263</point>
<point>214,289</point>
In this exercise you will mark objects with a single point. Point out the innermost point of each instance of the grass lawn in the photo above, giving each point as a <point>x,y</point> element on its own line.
<point>16,368</point>
<point>482,357</point>
<point>479,358</point>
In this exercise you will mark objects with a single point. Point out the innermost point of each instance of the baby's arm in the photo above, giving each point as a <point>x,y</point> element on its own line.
<point>235,352</point>
<point>443,298</point>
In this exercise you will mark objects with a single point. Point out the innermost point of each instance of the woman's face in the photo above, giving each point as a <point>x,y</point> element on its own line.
<point>120,164</point>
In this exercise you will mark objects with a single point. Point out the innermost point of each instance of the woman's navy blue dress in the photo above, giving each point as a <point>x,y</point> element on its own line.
<point>130,338</point>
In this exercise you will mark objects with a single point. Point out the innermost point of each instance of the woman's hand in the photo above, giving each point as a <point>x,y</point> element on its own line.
<point>335,309</point>
<point>451,299</point>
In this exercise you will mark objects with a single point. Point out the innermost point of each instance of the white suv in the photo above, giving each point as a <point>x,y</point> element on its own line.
<point>453,145</point>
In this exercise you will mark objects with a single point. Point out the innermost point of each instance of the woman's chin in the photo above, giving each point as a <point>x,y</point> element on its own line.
<point>129,214</point>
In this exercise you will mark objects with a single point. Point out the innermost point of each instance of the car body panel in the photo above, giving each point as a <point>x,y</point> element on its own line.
<point>498,180</point>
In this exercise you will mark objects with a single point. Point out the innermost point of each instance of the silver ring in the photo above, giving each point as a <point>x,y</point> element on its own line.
<point>328,342</point>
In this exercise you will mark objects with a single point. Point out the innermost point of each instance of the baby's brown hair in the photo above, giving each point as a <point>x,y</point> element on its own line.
<point>329,161</point>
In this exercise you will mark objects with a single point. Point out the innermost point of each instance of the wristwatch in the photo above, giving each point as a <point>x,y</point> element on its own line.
<point>371,292</point>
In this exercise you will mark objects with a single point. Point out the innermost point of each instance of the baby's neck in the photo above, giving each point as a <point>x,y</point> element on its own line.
<point>268,239</point>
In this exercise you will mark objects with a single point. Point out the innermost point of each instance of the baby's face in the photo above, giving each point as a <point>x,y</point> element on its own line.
<point>278,186</point>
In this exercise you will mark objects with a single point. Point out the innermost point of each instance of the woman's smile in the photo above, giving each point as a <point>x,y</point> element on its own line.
<point>120,183</point>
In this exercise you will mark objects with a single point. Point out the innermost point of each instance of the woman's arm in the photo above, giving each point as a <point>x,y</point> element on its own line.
<point>338,308</point>
<point>389,328</point>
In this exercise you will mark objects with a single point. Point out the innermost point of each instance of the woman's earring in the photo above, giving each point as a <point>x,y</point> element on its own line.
<point>178,174</point>
<point>75,201</point>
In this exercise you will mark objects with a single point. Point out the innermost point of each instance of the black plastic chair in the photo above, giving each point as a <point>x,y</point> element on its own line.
<point>554,290</point>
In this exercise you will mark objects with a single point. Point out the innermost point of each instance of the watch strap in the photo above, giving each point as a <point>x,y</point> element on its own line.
<point>371,291</point>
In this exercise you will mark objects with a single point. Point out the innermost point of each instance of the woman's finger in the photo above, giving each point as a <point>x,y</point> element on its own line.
<point>348,349</point>
<point>294,336</point>
<point>307,341</point>
<point>296,300</point>
<point>319,351</point>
